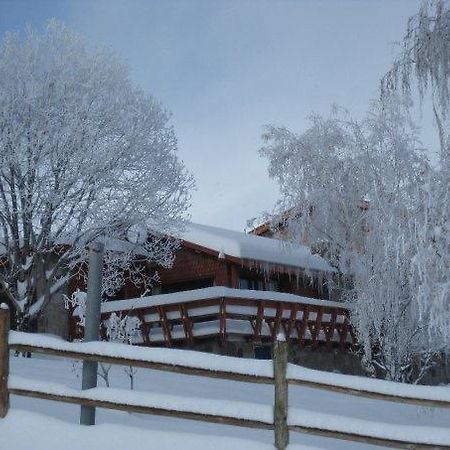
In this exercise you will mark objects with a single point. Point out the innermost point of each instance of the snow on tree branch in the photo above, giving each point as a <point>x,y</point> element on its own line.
<point>425,55</point>
<point>356,191</point>
<point>83,155</point>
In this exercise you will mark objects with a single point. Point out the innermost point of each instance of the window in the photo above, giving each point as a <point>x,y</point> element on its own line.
<point>246,283</point>
<point>258,285</point>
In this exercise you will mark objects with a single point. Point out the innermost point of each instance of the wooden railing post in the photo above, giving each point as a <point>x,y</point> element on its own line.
<point>4,359</point>
<point>281,393</point>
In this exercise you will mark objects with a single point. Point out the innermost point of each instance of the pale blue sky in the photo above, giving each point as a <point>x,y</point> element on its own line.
<point>226,68</point>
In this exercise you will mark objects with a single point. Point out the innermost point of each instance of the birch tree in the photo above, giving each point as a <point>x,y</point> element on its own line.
<point>354,188</point>
<point>83,155</point>
<point>423,67</point>
<point>366,195</point>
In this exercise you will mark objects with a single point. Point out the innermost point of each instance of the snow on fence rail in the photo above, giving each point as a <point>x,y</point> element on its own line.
<point>217,411</point>
<point>280,417</point>
<point>173,360</point>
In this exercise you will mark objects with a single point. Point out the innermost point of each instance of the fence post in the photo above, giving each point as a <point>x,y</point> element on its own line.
<point>4,360</point>
<point>281,393</point>
<point>92,324</point>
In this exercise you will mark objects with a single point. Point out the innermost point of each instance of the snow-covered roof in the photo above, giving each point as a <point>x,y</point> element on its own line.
<point>254,248</point>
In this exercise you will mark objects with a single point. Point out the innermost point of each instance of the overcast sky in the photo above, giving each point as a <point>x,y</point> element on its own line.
<point>226,68</point>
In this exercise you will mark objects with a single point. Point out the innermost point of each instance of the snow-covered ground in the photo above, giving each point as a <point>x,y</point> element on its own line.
<point>40,424</point>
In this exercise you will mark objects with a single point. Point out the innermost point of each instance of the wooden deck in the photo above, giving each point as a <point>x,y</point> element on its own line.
<point>249,319</point>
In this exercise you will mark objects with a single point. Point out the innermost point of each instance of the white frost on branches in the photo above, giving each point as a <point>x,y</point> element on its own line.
<point>77,301</point>
<point>83,155</point>
<point>425,62</point>
<point>122,329</point>
<point>355,191</point>
<point>425,57</point>
<point>365,196</point>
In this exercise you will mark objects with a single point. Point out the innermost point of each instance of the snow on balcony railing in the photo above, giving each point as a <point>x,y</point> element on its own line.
<point>213,293</point>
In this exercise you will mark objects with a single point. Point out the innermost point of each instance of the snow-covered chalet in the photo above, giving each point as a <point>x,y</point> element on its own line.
<point>232,293</point>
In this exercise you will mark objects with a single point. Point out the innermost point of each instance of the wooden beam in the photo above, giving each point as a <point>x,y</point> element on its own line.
<point>165,326</point>
<point>187,324</point>
<point>369,394</point>
<point>190,325</point>
<point>317,328</point>
<point>259,319</point>
<point>277,321</point>
<point>280,358</point>
<point>194,415</point>
<point>301,330</point>
<point>223,320</point>
<point>227,375</point>
<point>292,320</point>
<point>183,321</point>
<point>191,415</point>
<point>166,367</point>
<point>336,434</point>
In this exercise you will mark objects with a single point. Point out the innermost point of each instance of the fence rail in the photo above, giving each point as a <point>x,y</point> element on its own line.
<point>163,366</point>
<point>180,361</point>
<point>106,398</point>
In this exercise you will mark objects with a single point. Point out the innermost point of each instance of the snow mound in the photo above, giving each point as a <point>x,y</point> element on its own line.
<point>41,432</point>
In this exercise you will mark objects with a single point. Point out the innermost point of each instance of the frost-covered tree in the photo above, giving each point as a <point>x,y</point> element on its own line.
<point>354,190</point>
<point>424,61</point>
<point>364,194</point>
<point>424,66</point>
<point>300,164</point>
<point>83,155</point>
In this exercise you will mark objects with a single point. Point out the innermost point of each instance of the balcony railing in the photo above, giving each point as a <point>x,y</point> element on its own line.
<point>255,316</point>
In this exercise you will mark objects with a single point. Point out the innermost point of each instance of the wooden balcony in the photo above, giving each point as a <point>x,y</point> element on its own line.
<point>185,318</point>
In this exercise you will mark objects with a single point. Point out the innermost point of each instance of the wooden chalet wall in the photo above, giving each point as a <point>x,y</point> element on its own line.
<point>193,264</point>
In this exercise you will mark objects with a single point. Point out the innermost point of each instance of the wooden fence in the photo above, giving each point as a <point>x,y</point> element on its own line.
<point>235,369</point>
